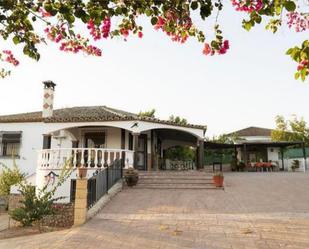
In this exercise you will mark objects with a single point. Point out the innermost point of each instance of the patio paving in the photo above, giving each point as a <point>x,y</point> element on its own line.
<point>256,210</point>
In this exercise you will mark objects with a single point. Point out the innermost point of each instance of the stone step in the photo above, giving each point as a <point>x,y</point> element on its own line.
<point>175,180</point>
<point>175,186</point>
<point>206,178</point>
<point>183,181</point>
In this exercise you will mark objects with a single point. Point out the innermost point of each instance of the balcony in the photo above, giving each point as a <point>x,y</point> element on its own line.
<point>55,159</point>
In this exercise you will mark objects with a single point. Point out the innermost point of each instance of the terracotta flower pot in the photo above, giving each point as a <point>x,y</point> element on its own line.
<point>82,172</point>
<point>218,181</point>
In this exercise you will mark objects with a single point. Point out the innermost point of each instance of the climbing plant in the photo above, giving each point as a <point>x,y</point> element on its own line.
<point>106,19</point>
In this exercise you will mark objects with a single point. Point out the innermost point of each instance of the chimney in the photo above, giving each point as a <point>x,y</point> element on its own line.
<point>48,100</point>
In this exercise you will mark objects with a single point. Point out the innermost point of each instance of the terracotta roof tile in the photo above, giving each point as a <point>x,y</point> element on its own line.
<point>253,131</point>
<point>85,114</point>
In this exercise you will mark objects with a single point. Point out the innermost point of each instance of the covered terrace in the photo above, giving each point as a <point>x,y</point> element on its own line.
<point>254,155</point>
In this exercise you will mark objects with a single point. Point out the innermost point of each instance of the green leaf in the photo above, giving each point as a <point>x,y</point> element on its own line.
<point>148,12</point>
<point>258,19</point>
<point>296,76</point>
<point>303,74</point>
<point>247,25</point>
<point>290,6</point>
<point>69,18</point>
<point>16,40</point>
<point>154,20</point>
<point>194,5</point>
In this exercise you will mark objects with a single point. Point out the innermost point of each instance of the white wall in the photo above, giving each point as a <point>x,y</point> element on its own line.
<point>256,138</point>
<point>113,139</point>
<point>273,154</point>
<point>31,141</point>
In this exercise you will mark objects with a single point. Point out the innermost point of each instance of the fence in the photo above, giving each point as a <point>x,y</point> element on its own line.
<point>99,184</point>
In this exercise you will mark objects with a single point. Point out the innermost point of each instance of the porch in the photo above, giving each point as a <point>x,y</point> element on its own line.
<point>98,146</point>
<point>141,145</point>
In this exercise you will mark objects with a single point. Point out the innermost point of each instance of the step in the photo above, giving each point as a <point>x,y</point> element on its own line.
<point>174,186</point>
<point>177,178</point>
<point>181,181</point>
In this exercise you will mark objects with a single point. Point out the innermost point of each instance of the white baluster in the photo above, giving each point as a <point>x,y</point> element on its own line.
<point>95,158</point>
<point>74,157</point>
<point>108,158</point>
<point>82,161</point>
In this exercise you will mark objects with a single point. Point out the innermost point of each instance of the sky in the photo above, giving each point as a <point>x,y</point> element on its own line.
<point>248,86</point>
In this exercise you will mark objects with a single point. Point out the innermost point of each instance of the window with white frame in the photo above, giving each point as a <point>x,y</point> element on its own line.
<point>10,142</point>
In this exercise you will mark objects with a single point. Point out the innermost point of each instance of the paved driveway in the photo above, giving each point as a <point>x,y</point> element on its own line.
<point>256,210</point>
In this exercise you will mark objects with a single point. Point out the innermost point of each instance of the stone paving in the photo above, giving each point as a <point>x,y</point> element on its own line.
<point>256,210</point>
<point>4,221</point>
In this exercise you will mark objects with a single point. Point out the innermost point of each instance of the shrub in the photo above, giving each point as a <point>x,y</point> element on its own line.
<point>37,204</point>
<point>9,177</point>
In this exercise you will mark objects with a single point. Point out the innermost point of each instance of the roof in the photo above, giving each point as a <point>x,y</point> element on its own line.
<point>253,132</point>
<point>87,114</point>
<point>281,144</point>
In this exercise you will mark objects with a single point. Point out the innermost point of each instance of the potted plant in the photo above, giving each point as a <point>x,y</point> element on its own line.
<point>295,165</point>
<point>218,179</point>
<point>241,166</point>
<point>82,172</point>
<point>131,177</point>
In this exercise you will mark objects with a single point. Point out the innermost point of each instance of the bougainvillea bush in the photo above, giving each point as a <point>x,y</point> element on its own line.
<point>106,19</point>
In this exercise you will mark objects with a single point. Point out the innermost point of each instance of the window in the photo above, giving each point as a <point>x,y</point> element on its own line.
<point>46,142</point>
<point>10,143</point>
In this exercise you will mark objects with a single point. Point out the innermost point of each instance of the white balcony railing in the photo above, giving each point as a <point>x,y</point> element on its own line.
<point>86,157</point>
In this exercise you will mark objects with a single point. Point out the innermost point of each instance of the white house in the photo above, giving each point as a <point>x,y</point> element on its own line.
<point>42,142</point>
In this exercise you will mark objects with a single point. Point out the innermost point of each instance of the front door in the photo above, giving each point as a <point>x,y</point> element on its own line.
<point>142,152</point>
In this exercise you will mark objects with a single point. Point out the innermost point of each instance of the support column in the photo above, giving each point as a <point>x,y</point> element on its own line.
<point>200,154</point>
<point>282,158</point>
<point>80,205</point>
<point>245,155</point>
<point>135,149</point>
<point>305,156</point>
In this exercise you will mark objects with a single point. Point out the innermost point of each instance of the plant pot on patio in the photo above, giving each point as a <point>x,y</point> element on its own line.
<point>82,172</point>
<point>131,177</point>
<point>218,179</point>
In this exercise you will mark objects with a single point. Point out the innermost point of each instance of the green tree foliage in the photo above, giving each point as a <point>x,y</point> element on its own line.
<point>183,153</point>
<point>295,129</point>
<point>149,114</point>
<point>62,21</point>
<point>225,138</point>
<point>9,177</point>
<point>36,204</point>
<point>178,120</point>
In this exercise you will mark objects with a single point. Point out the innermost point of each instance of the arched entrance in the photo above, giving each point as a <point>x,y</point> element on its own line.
<point>158,143</point>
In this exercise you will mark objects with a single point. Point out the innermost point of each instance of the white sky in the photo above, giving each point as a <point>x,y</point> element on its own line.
<point>248,86</point>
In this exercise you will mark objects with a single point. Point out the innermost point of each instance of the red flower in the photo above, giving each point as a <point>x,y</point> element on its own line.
<point>207,49</point>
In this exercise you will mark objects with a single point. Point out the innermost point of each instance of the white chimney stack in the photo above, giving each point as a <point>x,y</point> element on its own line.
<point>48,100</point>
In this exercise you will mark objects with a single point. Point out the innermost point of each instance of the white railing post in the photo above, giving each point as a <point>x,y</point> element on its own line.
<point>53,159</point>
